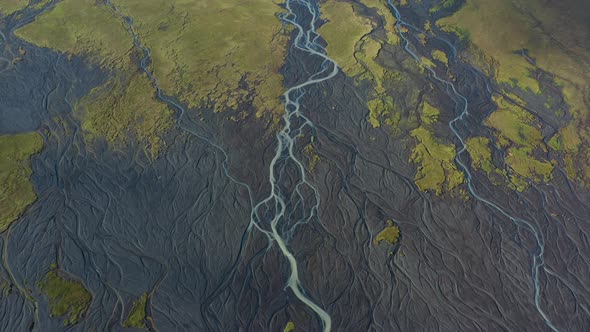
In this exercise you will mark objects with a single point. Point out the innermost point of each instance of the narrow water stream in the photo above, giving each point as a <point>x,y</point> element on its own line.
<point>462,105</point>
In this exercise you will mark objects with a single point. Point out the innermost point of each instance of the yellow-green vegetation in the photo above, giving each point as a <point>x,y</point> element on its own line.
<point>201,50</point>
<point>367,56</point>
<point>534,26</point>
<point>440,56</point>
<point>518,131</point>
<point>436,167</point>
<point>573,142</point>
<point>66,296</point>
<point>480,152</point>
<point>424,61</point>
<point>16,189</point>
<point>125,106</point>
<point>380,107</point>
<point>290,327</point>
<point>121,109</point>
<point>82,27</point>
<point>442,4</point>
<point>137,315</point>
<point>8,7</point>
<point>509,35</point>
<point>380,104</point>
<point>342,32</point>
<point>389,20</point>
<point>389,234</point>
<point>479,149</point>
<point>314,159</point>
<point>355,46</point>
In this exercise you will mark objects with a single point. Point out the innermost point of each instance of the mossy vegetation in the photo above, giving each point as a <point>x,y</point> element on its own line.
<point>343,31</point>
<point>8,7</point>
<point>480,152</point>
<point>67,297</point>
<point>501,43</point>
<point>82,27</point>
<point>518,132</point>
<point>388,19</point>
<point>289,327</point>
<point>479,149</point>
<point>203,51</point>
<point>390,234</point>
<point>16,189</point>
<point>523,41</point>
<point>442,4</point>
<point>314,159</point>
<point>382,107</point>
<point>126,109</point>
<point>440,56</point>
<point>437,171</point>
<point>137,315</point>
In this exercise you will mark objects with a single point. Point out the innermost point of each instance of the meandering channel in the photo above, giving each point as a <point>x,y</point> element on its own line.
<point>294,122</point>
<point>462,105</point>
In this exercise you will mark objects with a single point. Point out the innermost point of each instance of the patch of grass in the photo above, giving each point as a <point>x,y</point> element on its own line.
<point>427,62</point>
<point>202,50</point>
<point>389,20</point>
<point>481,155</point>
<point>82,27</point>
<point>440,56</point>
<point>529,168</point>
<point>518,131</point>
<point>380,107</point>
<point>66,296</point>
<point>509,35</point>
<point>389,234</point>
<point>479,149</point>
<point>314,159</point>
<point>367,56</point>
<point>289,327</point>
<point>532,27</point>
<point>8,7</point>
<point>137,315</point>
<point>342,32</point>
<point>442,4</point>
<point>514,123</point>
<point>16,189</point>
<point>429,114</point>
<point>436,167</point>
<point>121,110</point>
<point>205,53</point>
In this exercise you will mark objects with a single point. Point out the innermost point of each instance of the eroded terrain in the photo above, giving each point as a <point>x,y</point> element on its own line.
<point>370,165</point>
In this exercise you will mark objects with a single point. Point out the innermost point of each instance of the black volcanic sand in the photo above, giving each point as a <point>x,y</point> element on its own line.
<point>178,227</point>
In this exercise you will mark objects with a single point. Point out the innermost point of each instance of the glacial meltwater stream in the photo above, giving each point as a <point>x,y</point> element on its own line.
<point>462,105</point>
<point>294,122</point>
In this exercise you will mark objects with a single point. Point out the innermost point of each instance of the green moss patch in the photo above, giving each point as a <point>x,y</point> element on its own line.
<point>342,32</point>
<point>8,7</point>
<point>137,315</point>
<point>82,27</point>
<point>202,51</point>
<point>66,297</point>
<point>389,234</point>
<point>289,327</point>
<point>436,167</point>
<point>125,109</point>
<point>16,189</point>
<point>519,133</point>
